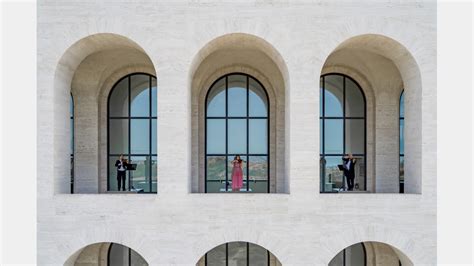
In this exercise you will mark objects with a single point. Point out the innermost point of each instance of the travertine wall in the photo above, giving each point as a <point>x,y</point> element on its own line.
<point>176,227</point>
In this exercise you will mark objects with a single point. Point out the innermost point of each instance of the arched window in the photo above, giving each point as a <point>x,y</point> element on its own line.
<point>354,255</point>
<point>120,255</point>
<point>238,253</point>
<point>132,131</point>
<point>402,142</point>
<point>342,124</point>
<point>71,146</point>
<point>237,122</point>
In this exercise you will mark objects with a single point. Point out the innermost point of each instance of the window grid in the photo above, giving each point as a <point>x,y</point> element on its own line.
<point>129,118</point>
<point>227,118</point>
<point>344,118</point>
<point>247,256</point>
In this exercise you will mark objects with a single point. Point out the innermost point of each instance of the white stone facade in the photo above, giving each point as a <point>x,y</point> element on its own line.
<point>84,47</point>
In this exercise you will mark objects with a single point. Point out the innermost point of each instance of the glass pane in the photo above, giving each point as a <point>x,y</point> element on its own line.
<point>237,254</point>
<point>333,176</point>
<point>113,184</point>
<point>71,144</point>
<point>216,99</point>
<point>355,104</point>
<point>140,95</point>
<point>118,255</point>
<point>355,136</point>
<point>118,136</point>
<point>258,105</point>
<point>154,144</point>
<point>154,97</point>
<point>402,136</point>
<point>320,96</point>
<point>333,136</point>
<point>215,136</point>
<point>216,174</point>
<point>355,255</point>
<point>118,101</point>
<point>230,173</point>
<point>321,136</point>
<point>258,142</point>
<point>258,174</point>
<point>237,95</point>
<point>402,104</point>
<point>359,179</point>
<point>322,173</point>
<point>71,106</point>
<point>141,176</point>
<point>136,259</point>
<point>338,260</point>
<point>154,174</point>
<point>402,168</point>
<point>237,136</point>
<point>333,95</point>
<point>217,256</point>
<point>140,136</point>
<point>258,256</point>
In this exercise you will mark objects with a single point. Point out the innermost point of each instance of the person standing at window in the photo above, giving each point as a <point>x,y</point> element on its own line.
<point>121,165</point>
<point>349,170</point>
<point>237,173</point>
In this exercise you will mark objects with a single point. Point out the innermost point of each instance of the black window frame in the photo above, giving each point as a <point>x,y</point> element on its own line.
<point>400,135</point>
<point>247,253</point>
<point>227,118</point>
<point>129,118</point>
<point>322,117</point>
<point>72,122</point>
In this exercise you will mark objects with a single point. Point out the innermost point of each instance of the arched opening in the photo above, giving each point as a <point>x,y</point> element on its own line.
<point>106,254</point>
<point>237,122</point>
<point>131,133</point>
<point>238,253</point>
<point>370,253</point>
<point>382,68</point>
<point>402,142</point>
<point>342,124</point>
<point>263,79</point>
<point>89,69</point>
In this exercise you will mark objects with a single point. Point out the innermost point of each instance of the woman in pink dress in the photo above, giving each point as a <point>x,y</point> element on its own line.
<point>237,174</point>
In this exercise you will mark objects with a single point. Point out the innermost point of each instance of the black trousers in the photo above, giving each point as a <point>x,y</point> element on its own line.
<point>121,179</point>
<point>350,181</point>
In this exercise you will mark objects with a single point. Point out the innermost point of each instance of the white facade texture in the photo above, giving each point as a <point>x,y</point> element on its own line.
<point>84,47</point>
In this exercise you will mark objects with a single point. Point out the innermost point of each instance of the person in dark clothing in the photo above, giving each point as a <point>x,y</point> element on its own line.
<point>121,165</point>
<point>349,170</point>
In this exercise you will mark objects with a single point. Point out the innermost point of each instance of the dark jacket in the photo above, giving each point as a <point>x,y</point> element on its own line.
<point>351,171</point>
<point>117,164</point>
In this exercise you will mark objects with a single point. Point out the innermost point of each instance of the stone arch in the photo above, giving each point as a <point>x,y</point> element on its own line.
<point>94,254</point>
<point>252,55</point>
<point>387,67</point>
<point>82,69</point>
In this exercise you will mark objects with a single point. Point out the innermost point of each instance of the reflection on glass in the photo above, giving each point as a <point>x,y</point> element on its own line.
<point>338,260</point>
<point>136,259</point>
<point>71,138</point>
<point>216,174</point>
<point>230,167</point>
<point>258,174</point>
<point>355,255</point>
<point>154,173</point>
<point>118,134</point>
<point>237,95</point>
<point>113,185</point>
<point>257,99</point>
<point>333,178</point>
<point>355,135</point>
<point>333,136</point>
<point>140,136</point>
<point>217,256</point>
<point>154,97</point>
<point>258,136</point>
<point>140,95</point>
<point>402,168</point>
<point>215,136</point>
<point>354,100</point>
<point>402,137</point>
<point>402,104</point>
<point>257,255</point>
<point>120,255</point>
<point>321,136</point>
<point>237,136</point>
<point>141,176</point>
<point>321,96</point>
<point>118,101</point>
<point>333,95</point>
<point>154,143</point>
<point>237,252</point>
<point>216,99</point>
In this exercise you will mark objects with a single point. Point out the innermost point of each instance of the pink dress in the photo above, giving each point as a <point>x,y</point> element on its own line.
<point>237,176</point>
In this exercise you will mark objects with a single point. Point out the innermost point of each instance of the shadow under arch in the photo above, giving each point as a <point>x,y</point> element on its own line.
<point>251,55</point>
<point>370,253</point>
<point>241,252</point>
<point>84,67</point>
<point>106,254</point>
<point>389,67</point>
